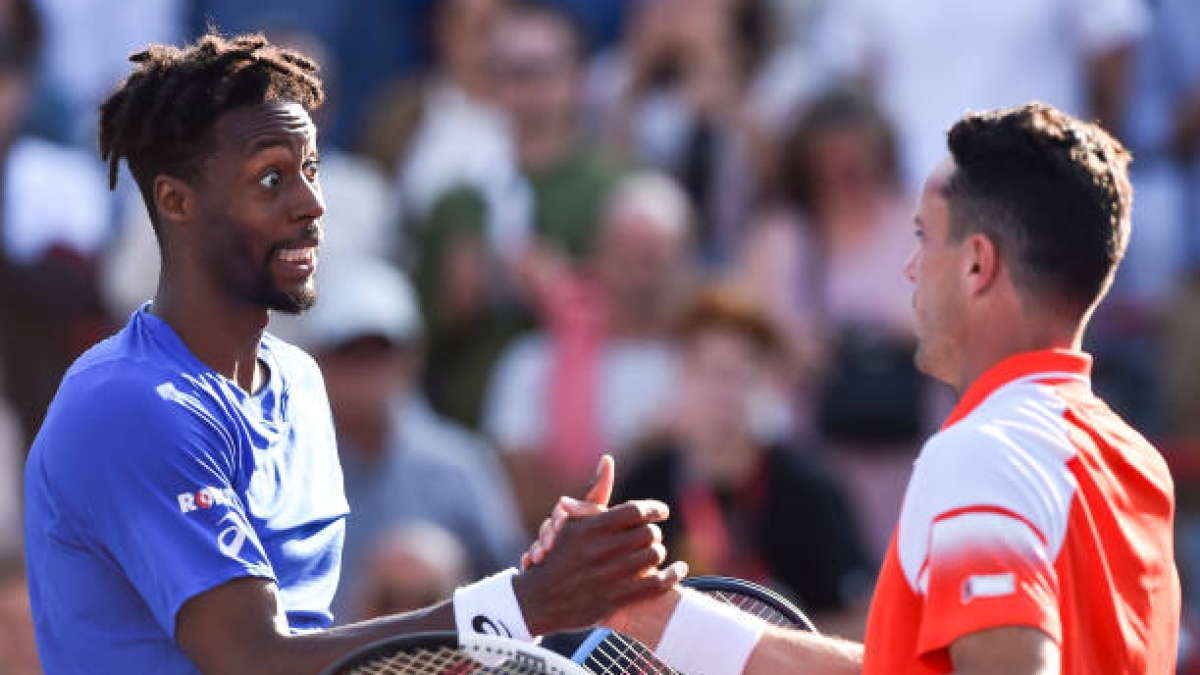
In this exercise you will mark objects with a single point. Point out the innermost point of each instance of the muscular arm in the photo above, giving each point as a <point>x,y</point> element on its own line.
<point>1007,650</point>
<point>605,562</point>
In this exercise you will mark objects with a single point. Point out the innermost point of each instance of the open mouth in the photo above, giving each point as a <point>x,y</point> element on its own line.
<point>298,262</point>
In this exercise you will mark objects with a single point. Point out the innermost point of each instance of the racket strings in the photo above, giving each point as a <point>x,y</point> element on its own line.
<point>442,661</point>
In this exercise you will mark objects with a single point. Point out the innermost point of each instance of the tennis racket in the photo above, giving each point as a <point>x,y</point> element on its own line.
<point>448,653</point>
<point>606,652</point>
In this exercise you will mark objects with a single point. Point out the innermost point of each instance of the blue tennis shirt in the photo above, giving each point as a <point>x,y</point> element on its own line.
<point>154,479</point>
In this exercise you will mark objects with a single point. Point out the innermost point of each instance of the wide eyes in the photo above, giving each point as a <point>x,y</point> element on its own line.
<point>273,178</point>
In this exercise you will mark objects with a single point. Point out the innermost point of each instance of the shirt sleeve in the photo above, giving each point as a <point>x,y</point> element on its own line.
<point>150,474</point>
<point>983,523</point>
<point>986,568</point>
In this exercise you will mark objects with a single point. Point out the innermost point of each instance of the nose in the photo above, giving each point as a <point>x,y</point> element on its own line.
<point>310,202</point>
<point>910,267</point>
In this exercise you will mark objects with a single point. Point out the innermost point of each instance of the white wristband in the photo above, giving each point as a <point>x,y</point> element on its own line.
<point>707,637</point>
<point>489,606</point>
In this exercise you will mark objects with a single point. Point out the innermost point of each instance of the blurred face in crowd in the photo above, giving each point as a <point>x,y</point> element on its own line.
<point>410,568</point>
<point>637,263</point>
<point>361,378</point>
<point>724,372</point>
<point>18,649</point>
<point>460,27</point>
<point>536,71</point>
<point>847,170</point>
<point>936,267</point>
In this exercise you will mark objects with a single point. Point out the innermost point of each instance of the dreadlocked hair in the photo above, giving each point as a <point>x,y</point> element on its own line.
<point>160,116</point>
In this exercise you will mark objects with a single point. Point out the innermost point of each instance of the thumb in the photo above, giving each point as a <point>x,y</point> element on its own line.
<point>600,491</point>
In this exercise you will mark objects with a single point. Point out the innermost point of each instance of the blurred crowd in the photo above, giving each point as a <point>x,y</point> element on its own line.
<point>669,230</point>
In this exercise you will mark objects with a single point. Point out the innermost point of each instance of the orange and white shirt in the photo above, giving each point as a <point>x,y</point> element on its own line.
<point>1035,505</point>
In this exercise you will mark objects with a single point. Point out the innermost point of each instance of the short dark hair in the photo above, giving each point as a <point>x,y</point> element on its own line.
<point>722,308</point>
<point>1051,191</point>
<point>160,117</point>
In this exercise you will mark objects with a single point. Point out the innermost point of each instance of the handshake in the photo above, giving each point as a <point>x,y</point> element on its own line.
<point>592,564</point>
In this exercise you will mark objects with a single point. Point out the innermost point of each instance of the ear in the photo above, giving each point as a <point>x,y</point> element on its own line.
<point>982,263</point>
<point>174,200</point>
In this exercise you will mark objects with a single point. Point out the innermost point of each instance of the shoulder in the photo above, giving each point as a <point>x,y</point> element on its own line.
<point>296,363</point>
<point>1007,461</point>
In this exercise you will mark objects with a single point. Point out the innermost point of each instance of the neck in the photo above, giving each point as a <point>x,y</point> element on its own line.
<point>223,334</point>
<point>1035,331</point>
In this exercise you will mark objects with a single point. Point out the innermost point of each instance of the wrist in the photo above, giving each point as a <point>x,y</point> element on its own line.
<point>707,637</point>
<point>490,606</point>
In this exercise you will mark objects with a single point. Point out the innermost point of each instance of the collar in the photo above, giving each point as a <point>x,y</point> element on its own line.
<point>1050,364</point>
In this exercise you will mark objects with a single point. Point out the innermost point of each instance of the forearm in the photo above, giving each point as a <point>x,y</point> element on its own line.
<point>781,651</point>
<point>312,653</point>
<point>778,650</point>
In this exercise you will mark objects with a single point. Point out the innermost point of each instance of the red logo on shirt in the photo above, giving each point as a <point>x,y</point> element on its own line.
<point>204,500</point>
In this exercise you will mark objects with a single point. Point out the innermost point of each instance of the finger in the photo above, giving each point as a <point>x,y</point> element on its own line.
<point>631,539</point>
<point>525,561</point>
<point>653,584</point>
<point>574,508</point>
<point>617,570</point>
<point>536,554</point>
<point>600,491</point>
<point>631,514</point>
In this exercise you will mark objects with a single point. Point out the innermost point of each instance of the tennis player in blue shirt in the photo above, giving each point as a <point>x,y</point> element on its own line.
<point>184,505</point>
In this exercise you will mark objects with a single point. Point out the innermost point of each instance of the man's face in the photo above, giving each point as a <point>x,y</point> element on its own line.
<point>723,372</point>
<point>535,72</point>
<point>939,299</point>
<point>259,206</point>
<point>637,262</point>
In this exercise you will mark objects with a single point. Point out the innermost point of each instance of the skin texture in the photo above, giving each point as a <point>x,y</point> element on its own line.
<point>963,291</point>
<point>258,195</point>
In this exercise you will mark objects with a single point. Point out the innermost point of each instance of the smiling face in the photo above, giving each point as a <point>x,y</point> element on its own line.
<point>258,207</point>
<point>939,299</point>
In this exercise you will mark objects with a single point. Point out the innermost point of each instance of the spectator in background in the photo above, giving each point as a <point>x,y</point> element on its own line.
<point>600,373</point>
<point>408,567</point>
<point>931,60</point>
<point>54,222</point>
<point>1161,275</point>
<point>442,131</point>
<point>674,95</point>
<point>537,57</point>
<point>469,322</point>
<point>741,505</point>
<point>400,461</point>
<point>18,649</point>
<point>840,229</point>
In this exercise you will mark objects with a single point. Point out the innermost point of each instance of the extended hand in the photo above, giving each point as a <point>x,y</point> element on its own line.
<point>604,559</point>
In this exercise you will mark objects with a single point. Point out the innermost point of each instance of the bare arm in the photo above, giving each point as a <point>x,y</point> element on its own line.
<point>778,651</point>
<point>604,562</point>
<point>1007,650</point>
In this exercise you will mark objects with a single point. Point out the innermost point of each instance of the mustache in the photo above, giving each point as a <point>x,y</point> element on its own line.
<point>311,235</point>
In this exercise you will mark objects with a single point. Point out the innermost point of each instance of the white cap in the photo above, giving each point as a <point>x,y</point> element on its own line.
<point>358,297</point>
